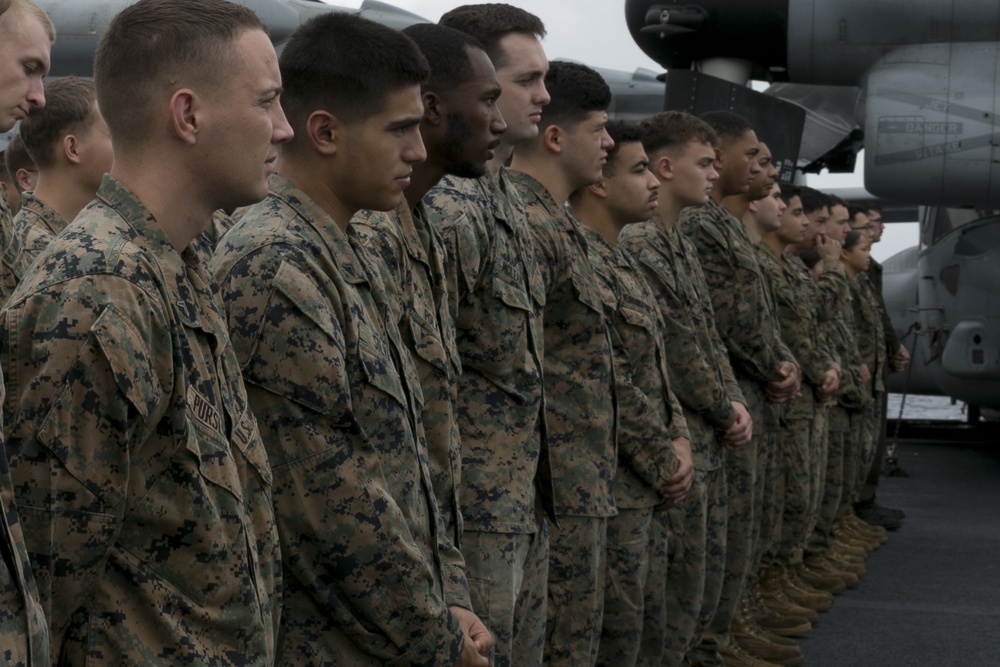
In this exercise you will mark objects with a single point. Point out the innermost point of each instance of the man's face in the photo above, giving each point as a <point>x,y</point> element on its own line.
<point>817,222</point>
<point>474,122</point>
<point>522,78</point>
<point>737,164</point>
<point>245,125</point>
<point>836,226</point>
<point>631,188</point>
<point>875,219</point>
<point>377,153</point>
<point>769,210</point>
<point>861,223</point>
<point>693,173</point>
<point>763,181</point>
<point>793,223</point>
<point>585,149</point>
<point>24,60</point>
<point>94,150</point>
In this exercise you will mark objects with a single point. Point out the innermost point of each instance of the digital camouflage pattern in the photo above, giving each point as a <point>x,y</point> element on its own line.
<point>748,327</point>
<point>333,389</point>
<point>410,261</point>
<point>33,228</point>
<point>209,239</point>
<point>649,418</point>
<point>699,367</point>
<point>580,419</point>
<point>24,634</point>
<point>144,490</point>
<point>706,387</point>
<point>873,349</point>
<point>496,298</point>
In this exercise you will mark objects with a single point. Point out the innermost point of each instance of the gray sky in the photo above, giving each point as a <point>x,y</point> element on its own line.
<point>594,32</point>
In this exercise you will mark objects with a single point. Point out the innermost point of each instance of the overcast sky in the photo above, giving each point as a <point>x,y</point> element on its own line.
<point>594,32</point>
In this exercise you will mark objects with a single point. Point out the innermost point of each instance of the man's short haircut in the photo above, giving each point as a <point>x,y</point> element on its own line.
<point>447,54</point>
<point>491,22</point>
<point>576,91</point>
<point>69,108</point>
<point>854,208</point>
<point>788,191</point>
<point>872,205</point>
<point>5,174</point>
<point>621,132</point>
<point>16,157</point>
<point>671,131</point>
<point>833,200</point>
<point>346,65</point>
<point>812,199</point>
<point>728,126</point>
<point>157,45</point>
<point>20,9</point>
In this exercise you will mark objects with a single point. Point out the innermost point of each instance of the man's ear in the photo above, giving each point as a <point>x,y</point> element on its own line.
<point>70,148</point>
<point>184,116</point>
<point>552,138</point>
<point>663,168</point>
<point>435,109</point>
<point>599,189</point>
<point>323,130</point>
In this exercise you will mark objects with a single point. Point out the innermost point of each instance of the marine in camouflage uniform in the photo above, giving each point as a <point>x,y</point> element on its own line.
<point>335,392</point>
<point>873,349</point>
<point>838,330</point>
<point>24,634</point>
<point>801,456</point>
<point>410,256</point>
<point>34,227</point>
<point>496,297</point>
<point>747,326</point>
<point>705,385</point>
<point>580,426</point>
<point>144,489</point>
<point>649,419</point>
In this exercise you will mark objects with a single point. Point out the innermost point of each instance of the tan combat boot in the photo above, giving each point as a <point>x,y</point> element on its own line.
<point>755,644</point>
<point>802,593</point>
<point>820,579</point>
<point>820,563</point>
<point>838,562</point>
<point>734,656</point>
<point>772,595</point>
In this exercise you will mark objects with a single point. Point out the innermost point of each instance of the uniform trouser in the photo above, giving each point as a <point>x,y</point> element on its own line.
<point>867,496</point>
<point>854,459</point>
<point>818,459</point>
<point>770,488</point>
<point>838,433</point>
<point>867,423</point>
<point>697,529</point>
<point>741,482</point>
<point>798,452</point>
<point>507,578</point>
<point>577,566</point>
<point>630,548</point>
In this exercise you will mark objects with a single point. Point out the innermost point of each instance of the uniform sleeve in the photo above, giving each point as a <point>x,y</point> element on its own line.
<point>344,538</point>
<point>463,231</point>
<point>692,378</point>
<point>733,280</point>
<point>644,440</point>
<point>85,383</point>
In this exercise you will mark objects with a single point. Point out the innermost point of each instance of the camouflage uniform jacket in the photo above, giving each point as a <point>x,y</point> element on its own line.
<point>840,331</point>
<point>410,258</point>
<point>24,635</point>
<point>869,331</point>
<point>496,298</point>
<point>744,313</point>
<point>579,383</point>
<point>144,489</point>
<point>796,297</point>
<point>649,416</point>
<point>34,227</point>
<point>701,376</point>
<point>331,385</point>
<point>6,226</point>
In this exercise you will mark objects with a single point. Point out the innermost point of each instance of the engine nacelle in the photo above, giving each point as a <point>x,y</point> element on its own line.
<point>931,133</point>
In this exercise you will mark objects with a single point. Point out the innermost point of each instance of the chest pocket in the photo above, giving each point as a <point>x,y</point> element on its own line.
<point>427,342</point>
<point>508,286</point>
<point>585,288</point>
<point>377,363</point>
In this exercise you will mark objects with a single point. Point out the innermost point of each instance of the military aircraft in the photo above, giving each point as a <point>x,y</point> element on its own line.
<point>913,83</point>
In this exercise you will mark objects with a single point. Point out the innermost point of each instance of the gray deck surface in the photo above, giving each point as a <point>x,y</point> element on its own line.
<point>932,594</point>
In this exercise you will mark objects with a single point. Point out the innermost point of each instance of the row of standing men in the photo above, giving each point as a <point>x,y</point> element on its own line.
<point>415,406</point>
